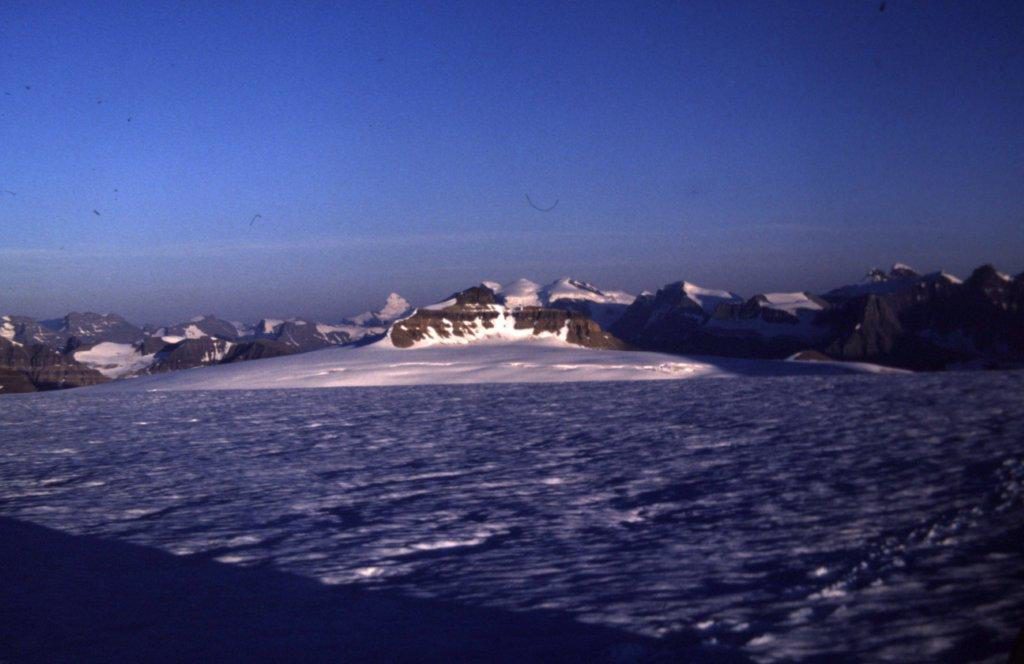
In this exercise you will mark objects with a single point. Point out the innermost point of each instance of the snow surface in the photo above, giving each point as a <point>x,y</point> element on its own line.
<point>114,360</point>
<point>709,298</point>
<point>493,359</point>
<point>526,293</point>
<point>7,329</point>
<point>824,518</point>
<point>521,293</point>
<point>791,302</point>
<point>573,289</point>
<point>193,332</point>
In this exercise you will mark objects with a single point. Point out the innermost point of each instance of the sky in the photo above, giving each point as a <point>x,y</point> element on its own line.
<point>256,159</point>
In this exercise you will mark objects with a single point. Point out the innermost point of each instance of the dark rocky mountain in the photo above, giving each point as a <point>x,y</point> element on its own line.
<point>91,328</point>
<point>257,349</point>
<point>43,367</point>
<point>29,331</point>
<point>683,317</point>
<point>15,382</point>
<point>480,313</point>
<point>302,335</point>
<point>200,326</point>
<point>900,318</point>
<point>190,353</point>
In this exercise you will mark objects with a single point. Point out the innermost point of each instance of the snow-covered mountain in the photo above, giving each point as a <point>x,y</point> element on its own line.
<point>394,308</point>
<point>93,347</point>
<point>604,307</point>
<point>481,315</point>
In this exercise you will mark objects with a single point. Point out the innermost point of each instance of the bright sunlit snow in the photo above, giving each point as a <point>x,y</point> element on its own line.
<point>490,358</point>
<point>115,360</point>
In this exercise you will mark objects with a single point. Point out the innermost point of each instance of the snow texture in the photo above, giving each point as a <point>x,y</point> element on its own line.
<point>831,518</point>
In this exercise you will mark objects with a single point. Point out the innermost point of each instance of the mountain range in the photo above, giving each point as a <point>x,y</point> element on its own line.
<point>898,318</point>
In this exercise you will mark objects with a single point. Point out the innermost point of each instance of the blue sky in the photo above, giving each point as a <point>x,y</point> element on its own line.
<point>743,145</point>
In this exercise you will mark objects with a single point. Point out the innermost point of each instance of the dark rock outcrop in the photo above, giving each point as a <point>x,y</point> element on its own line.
<point>900,318</point>
<point>46,368</point>
<point>95,328</point>
<point>302,335</point>
<point>477,310</point>
<point>208,325</point>
<point>15,382</point>
<point>190,353</point>
<point>257,349</point>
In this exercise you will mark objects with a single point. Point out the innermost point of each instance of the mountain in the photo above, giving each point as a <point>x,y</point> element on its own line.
<point>604,307</point>
<point>90,328</point>
<point>395,307</point>
<point>900,318</point>
<point>41,367</point>
<point>200,326</point>
<point>117,349</point>
<point>687,318</point>
<point>479,314</point>
<point>932,321</point>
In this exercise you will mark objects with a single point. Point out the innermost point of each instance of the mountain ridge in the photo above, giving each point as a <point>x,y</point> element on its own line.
<point>899,318</point>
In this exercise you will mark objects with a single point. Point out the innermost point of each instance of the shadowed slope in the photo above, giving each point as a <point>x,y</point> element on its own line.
<point>69,598</point>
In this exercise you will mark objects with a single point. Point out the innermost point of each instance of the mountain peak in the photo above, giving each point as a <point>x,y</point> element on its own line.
<point>395,307</point>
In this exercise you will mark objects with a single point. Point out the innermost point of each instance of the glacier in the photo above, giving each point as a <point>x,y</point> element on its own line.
<point>786,518</point>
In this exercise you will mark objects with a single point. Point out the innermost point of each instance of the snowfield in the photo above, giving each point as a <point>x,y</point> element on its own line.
<point>493,358</point>
<point>830,517</point>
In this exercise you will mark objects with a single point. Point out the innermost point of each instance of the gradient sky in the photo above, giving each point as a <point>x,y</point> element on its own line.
<point>743,145</point>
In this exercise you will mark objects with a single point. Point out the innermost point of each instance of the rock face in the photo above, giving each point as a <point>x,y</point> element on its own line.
<point>94,328</point>
<point>200,326</point>
<point>900,318</point>
<point>15,382</point>
<point>44,367</point>
<point>302,335</point>
<point>257,349</point>
<point>683,317</point>
<point>478,313</point>
<point>190,353</point>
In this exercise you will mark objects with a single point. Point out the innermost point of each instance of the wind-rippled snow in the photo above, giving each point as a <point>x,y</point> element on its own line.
<point>873,517</point>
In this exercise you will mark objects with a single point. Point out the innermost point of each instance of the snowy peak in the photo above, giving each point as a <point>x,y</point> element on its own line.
<point>519,293</point>
<point>705,299</point>
<point>526,293</point>
<point>902,271</point>
<point>395,307</point>
<point>573,289</point>
<point>566,293</point>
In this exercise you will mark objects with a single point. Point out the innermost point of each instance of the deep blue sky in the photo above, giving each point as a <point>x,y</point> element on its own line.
<point>743,145</point>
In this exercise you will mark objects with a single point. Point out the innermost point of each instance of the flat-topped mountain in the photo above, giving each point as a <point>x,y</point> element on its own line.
<point>479,314</point>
